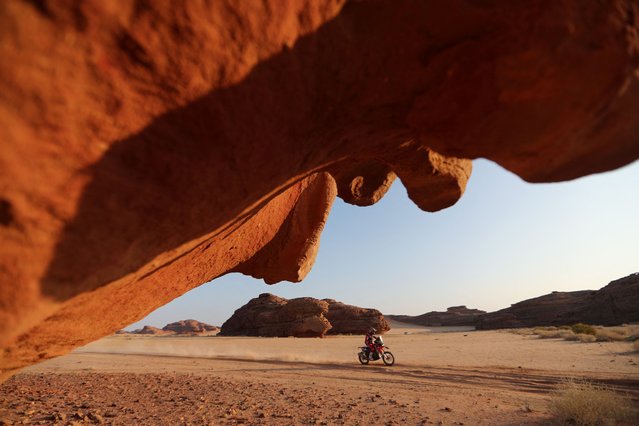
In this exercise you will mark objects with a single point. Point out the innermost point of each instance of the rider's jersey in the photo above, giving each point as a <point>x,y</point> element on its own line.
<point>368,340</point>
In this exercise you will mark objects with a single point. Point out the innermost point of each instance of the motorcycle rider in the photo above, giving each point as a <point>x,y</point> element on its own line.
<point>369,341</point>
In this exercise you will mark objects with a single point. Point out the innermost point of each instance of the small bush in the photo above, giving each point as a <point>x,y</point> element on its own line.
<point>586,333</point>
<point>587,338</point>
<point>572,337</point>
<point>616,334</point>
<point>580,328</point>
<point>583,338</point>
<point>585,403</point>
<point>547,334</point>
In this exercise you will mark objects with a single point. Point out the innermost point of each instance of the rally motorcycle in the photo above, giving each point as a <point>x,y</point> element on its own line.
<point>365,355</point>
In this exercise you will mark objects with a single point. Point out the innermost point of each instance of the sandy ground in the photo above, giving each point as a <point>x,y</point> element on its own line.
<point>456,377</point>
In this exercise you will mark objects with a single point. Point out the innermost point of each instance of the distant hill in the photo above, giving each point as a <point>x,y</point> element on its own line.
<point>617,303</point>
<point>180,328</point>
<point>454,316</point>
<point>148,330</point>
<point>190,326</point>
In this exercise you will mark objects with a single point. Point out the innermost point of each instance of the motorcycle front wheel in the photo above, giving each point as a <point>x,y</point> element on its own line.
<point>363,359</point>
<point>388,358</point>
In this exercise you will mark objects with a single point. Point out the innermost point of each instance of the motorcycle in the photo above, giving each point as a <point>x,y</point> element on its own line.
<point>365,355</point>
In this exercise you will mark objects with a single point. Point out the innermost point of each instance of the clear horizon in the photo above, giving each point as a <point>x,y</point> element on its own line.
<point>505,241</point>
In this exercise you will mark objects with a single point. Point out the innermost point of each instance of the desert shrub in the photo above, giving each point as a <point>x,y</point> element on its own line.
<point>571,337</point>
<point>585,403</point>
<point>580,328</point>
<point>564,327</point>
<point>547,334</point>
<point>633,333</point>
<point>583,338</point>
<point>616,334</point>
<point>566,334</point>
<point>587,338</point>
<point>635,345</point>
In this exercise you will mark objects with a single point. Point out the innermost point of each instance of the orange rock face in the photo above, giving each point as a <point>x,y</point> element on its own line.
<point>147,148</point>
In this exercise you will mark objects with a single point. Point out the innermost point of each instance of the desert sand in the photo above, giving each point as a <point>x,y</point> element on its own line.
<point>452,377</point>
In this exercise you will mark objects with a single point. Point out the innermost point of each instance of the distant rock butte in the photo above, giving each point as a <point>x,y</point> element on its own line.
<point>270,315</point>
<point>148,329</point>
<point>190,326</point>
<point>184,327</point>
<point>349,319</point>
<point>617,303</point>
<point>454,316</point>
<point>148,150</point>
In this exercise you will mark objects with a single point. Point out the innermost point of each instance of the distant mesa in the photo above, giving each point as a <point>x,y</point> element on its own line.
<point>272,316</point>
<point>454,316</point>
<point>147,329</point>
<point>188,327</point>
<point>617,303</point>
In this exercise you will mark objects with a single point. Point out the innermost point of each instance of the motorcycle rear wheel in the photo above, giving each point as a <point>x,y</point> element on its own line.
<point>363,359</point>
<point>388,358</point>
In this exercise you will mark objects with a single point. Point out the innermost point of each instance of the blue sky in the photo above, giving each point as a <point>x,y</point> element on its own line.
<point>506,240</point>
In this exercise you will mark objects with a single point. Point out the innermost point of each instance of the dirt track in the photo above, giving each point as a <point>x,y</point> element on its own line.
<point>97,384</point>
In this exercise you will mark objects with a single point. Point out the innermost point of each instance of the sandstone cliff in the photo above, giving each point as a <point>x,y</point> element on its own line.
<point>349,319</point>
<point>149,147</point>
<point>617,303</point>
<point>270,315</point>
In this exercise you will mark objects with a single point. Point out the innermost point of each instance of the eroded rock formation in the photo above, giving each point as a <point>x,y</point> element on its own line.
<point>190,326</point>
<point>349,319</point>
<point>182,328</point>
<point>149,147</point>
<point>272,316</point>
<point>615,304</point>
<point>454,316</point>
<point>150,330</point>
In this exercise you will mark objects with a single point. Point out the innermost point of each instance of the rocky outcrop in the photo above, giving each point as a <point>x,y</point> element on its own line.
<point>272,316</point>
<point>190,327</point>
<point>184,328</point>
<point>617,303</point>
<point>150,330</point>
<point>349,319</point>
<point>454,316</point>
<point>150,147</point>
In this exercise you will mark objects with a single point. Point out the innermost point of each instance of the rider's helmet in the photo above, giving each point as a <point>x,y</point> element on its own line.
<point>372,331</point>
